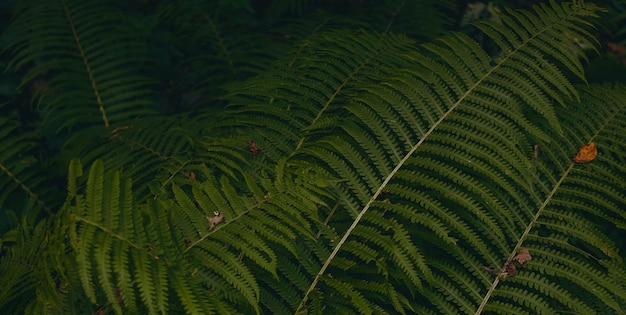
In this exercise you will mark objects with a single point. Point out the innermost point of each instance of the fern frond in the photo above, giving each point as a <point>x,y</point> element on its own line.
<point>261,229</point>
<point>298,99</point>
<point>359,173</point>
<point>19,256</point>
<point>93,73</point>
<point>137,263</point>
<point>147,149</point>
<point>23,190</point>
<point>450,132</point>
<point>202,32</point>
<point>571,260</point>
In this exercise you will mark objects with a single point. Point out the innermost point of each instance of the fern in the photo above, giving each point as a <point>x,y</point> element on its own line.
<point>407,117</point>
<point>19,266</point>
<point>89,80</point>
<point>297,99</point>
<point>161,256</point>
<point>250,233</point>
<point>138,262</point>
<point>24,192</point>
<point>387,177</point>
<point>203,32</point>
<point>146,149</point>
<point>478,130</point>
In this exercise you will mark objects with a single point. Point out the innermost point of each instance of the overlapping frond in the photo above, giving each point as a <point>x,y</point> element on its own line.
<point>147,149</point>
<point>138,264</point>
<point>573,258</point>
<point>569,270</point>
<point>200,249</point>
<point>19,250</point>
<point>230,233</point>
<point>300,92</point>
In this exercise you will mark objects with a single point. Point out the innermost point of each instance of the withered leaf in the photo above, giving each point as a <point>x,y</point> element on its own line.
<point>253,148</point>
<point>214,221</point>
<point>490,270</point>
<point>522,256</point>
<point>586,153</point>
<point>510,269</point>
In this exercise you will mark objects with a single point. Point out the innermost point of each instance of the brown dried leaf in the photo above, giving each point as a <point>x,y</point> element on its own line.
<point>253,148</point>
<point>522,256</point>
<point>510,269</point>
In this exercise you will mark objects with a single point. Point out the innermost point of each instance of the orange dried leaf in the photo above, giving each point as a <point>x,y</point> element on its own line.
<point>522,256</point>
<point>586,153</point>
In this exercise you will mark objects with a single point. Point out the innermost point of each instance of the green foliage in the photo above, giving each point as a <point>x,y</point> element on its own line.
<point>15,167</point>
<point>83,80</point>
<point>18,267</point>
<point>338,170</point>
<point>23,190</point>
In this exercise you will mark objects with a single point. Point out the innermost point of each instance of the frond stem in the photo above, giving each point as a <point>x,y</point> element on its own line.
<point>383,185</point>
<point>25,188</point>
<point>225,224</point>
<point>86,62</point>
<point>397,168</point>
<point>331,99</point>
<point>532,223</point>
<point>523,237</point>
<point>332,212</point>
<point>220,42</point>
<point>104,229</point>
<point>297,53</point>
<point>346,81</point>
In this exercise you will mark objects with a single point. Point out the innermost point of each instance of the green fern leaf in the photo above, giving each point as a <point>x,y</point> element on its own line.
<point>21,184</point>
<point>91,75</point>
<point>458,136</point>
<point>20,252</point>
<point>137,256</point>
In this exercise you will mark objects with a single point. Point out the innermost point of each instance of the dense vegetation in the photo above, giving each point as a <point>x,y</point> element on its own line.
<point>312,157</point>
